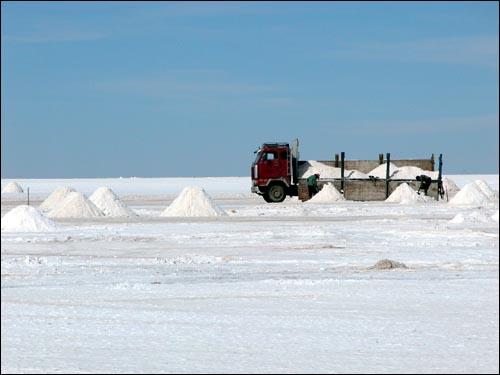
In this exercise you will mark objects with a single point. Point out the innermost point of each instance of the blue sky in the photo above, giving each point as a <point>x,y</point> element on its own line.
<point>179,89</point>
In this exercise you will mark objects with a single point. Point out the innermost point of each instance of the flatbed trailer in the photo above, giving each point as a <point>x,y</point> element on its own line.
<point>374,188</point>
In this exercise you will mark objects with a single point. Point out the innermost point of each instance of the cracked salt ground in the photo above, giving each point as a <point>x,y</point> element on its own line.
<point>269,288</point>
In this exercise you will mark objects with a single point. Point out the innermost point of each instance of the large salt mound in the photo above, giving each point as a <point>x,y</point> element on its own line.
<point>405,194</point>
<point>108,202</point>
<point>487,190</point>
<point>193,201</point>
<point>381,170</point>
<point>76,205</point>
<point>311,167</point>
<point>410,173</point>
<point>328,194</point>
<point>470,194</point>
<point>27,219</point>
<point>12,187</point>
<point>56,197</point>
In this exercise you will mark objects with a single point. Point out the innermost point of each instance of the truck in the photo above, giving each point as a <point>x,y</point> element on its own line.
<point>275,174</point>
<point>275,171</point>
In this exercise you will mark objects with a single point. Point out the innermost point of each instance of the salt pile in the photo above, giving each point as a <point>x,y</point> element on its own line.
<point>109,203</point>
<point>387,264</point>
<point>472,217</point>
<point>354,174</point>
<point>450,187</point>
<point>328,194</point>
<point>311,167</point>
<point>12,187</point>
<point>411,172</point>
<point>193,201</point>
<point>487,190</point>
<point>56,197</point>
<point>405,194</point>
<point>381,170</point>
<point>495,216</point>
<point>27,219</point>
<point>470,194</point>
<point>76,205</point>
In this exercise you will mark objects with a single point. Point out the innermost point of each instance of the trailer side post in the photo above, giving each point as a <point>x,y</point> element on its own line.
<point>387,174</point>
<point>440,175</point>
<point>342,159</point>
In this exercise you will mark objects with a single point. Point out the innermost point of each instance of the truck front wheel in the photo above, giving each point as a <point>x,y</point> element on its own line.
<point>275,194</point>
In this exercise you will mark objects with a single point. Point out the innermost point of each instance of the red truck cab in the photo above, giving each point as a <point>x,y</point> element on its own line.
<point>274,171</point>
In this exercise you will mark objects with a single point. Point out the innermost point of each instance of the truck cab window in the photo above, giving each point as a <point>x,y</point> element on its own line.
<point>284,155</point>
<point>268,156</point>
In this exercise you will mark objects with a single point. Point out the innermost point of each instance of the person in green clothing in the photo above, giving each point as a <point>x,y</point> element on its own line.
<point>312,184</point>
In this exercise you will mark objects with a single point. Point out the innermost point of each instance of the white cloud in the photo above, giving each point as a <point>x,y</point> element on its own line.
<point>477,50</point>
<point>53,38</point>
<point>425,126</point>
<point>202,83</point>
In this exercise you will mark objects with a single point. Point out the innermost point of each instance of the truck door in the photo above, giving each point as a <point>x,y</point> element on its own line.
<point>270,165</point>
<point>274,164</point>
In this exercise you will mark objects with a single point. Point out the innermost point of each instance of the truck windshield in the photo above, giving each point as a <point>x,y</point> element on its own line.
<point>257,156</point>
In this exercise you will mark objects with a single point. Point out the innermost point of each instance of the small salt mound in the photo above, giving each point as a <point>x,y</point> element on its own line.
<point>470,194</point>
<point>387,264</point>
<point>471,218</point>
<point>328,194</point>
<point>12,187</point>
<point>109,203</point>
<point>458,219</point>
<point>487,190</point>
<point>193,201</point>
<point>381,170</point>
<point>76,205</point>
<point>410,172</point>
<point>405,194</point>
<point>27,219</point>
<point>450,187</point>
<point>56,197</point>
<point>311,167</point>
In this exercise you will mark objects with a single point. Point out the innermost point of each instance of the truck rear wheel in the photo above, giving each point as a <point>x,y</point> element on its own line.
<point>275,194</point>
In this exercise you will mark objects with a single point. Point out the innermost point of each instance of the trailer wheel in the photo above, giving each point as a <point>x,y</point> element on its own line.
<point>275,194</point>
